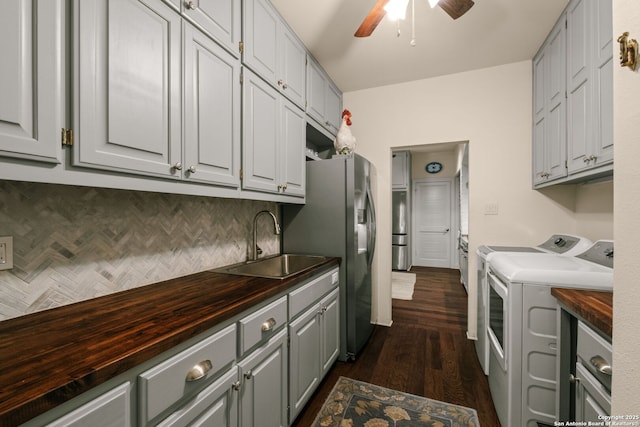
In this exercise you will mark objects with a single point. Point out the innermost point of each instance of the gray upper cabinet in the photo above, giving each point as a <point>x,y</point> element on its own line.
<point>128,115</point>
<point>129,112</point>
<point>212,111</point>
<point>549,130</point>
<point>32,79</point>
<point>273,139</point>
<point>324,100</point>
<point>590,79</point>
<point>573,96</point>
<point>273,51</point>
<point>220,19</point>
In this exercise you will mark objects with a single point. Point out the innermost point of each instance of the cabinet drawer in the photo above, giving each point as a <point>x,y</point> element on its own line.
<point>596,354</point>
<point>185,373</point>
<point>303,297</point>
<point>261,325</point>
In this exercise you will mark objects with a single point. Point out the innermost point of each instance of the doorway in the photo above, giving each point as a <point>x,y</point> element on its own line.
<point>428,248</point>
<point>434,221</point>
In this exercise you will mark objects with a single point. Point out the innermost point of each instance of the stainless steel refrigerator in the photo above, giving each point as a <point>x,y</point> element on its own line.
<point>400,231</point>
<point>338,219</point>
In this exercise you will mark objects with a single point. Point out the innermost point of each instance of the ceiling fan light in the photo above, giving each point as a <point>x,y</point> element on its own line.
<point>433,3</point>
<point>396,9</point>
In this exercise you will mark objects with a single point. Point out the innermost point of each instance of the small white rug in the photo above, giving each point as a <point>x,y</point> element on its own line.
<point>402,285</point>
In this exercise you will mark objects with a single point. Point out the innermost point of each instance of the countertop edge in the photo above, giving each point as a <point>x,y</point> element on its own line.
<point>595,307</point>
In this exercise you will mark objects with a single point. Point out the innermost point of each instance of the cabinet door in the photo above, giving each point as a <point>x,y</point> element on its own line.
<point>260,134</point>
<point>330,342</point>
<point>579,119</point>
<point>400,170</point>
<point>31,79</point>
<point>112,409</point>
<point>333,113</point>
<point>127,107</point>
<point>218,18</point>
<point>292,155</point>
<point>555,154</point>
<point>212,111</point>
<point>261,38</point>
<point>215,406</point>
<point>263,399</point>
<point>292,67</point>
<point>304,354</point>
<point>593,402</point>
<point>539,116</point>
<point>603,82</point>
<point>316,84</point>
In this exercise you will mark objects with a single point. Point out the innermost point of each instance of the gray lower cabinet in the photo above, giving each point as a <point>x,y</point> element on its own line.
<point>32,104</point>
<point>256,370</point>
<point>112,409</point>
<point>593,375</point>
<point>314,346</point>
<point>215,406</point>
<point>263,395</point>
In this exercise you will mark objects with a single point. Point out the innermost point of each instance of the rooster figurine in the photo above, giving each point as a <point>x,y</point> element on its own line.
<point>345,142</point>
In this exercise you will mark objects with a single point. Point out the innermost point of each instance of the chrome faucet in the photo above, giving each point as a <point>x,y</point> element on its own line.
<point>276,230</point>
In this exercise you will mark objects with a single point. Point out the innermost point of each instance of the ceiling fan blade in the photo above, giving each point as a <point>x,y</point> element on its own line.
<point>456,8</point>
<point>372,20</point>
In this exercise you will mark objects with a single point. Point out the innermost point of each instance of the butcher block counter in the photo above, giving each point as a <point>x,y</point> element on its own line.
<point>50,357</point>
<point>595,307</point>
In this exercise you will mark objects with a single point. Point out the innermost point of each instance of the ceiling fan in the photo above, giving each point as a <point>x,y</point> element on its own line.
<point>455,9</point>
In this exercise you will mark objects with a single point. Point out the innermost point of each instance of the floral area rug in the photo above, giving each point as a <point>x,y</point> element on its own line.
<point>358,404</point>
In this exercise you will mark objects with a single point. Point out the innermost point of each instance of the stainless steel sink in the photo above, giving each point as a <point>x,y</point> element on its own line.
<point>275,267</point>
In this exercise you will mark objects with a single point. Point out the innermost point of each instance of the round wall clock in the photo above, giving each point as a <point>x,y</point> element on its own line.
<point>433,167</point>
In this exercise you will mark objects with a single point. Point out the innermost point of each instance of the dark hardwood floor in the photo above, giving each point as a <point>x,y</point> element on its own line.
<point>425,352</point>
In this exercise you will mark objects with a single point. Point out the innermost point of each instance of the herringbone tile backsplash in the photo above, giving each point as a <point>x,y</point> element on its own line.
<point>76,243</point>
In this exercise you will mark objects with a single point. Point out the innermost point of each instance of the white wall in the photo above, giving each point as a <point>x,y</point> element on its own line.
<point>626,107</point>
<point>490,108</point>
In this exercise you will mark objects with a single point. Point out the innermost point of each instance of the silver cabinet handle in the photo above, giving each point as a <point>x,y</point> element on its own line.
<point>249,374</point>
<point>199,371</point>
<point>601,365</point>
<point>177,166</point>
<point>268,325</point>
<point>190,5</point>
<point>192,169</point>
<point>573,379</point>
<point>236,386</point>
<point>280,83</point>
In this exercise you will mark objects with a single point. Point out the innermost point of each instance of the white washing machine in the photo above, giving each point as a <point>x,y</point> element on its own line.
<point>522,326</point>
<point>561,244</point>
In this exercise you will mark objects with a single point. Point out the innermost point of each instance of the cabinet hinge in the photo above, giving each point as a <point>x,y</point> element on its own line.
<point>67,137</point>
<point>566,164</point>
<point>241,174</point>
<point>241,75</point>
<point>241,46</point>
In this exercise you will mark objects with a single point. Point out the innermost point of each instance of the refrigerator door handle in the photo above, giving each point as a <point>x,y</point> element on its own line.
<point>371,223</point>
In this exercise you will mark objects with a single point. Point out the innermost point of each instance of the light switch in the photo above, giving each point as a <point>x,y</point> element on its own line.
<point>6,253</point>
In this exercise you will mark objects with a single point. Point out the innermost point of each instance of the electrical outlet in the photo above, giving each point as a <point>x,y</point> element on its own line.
<point>6,252</point>
<point>491,208</point>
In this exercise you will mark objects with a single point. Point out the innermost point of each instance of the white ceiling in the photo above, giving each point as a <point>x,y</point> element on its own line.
<point>493,32</point>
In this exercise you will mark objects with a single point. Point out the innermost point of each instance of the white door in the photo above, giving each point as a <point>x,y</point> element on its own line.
<point>432,213</point>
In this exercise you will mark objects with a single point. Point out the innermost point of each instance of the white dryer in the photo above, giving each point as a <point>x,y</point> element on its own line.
<point>561,244</point>
<point>522,326</point>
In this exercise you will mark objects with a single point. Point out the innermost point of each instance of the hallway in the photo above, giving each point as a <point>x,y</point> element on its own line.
<point>425,352</point>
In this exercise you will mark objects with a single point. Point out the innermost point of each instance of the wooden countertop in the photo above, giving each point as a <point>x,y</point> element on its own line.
<point>596,307</point>
<point>49,357</point>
